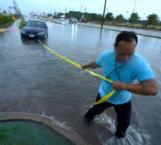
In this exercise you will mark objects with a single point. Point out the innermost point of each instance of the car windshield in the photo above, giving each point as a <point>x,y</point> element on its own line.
<point>36,24</point>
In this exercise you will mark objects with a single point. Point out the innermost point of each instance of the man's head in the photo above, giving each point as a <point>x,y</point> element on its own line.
<point>125,44</point>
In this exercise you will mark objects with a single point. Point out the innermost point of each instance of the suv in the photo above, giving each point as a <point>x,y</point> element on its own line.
<point>35,29</point>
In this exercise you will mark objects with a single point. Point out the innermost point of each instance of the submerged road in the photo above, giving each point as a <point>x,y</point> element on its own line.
<point>34,80</point>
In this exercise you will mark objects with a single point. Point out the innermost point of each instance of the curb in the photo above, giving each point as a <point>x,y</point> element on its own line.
<point>97,26</point>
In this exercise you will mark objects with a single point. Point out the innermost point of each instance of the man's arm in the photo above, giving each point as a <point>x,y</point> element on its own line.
<point>147,87</point>
<point>90,65</point>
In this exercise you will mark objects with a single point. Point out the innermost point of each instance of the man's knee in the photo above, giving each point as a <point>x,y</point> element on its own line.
<point>89,115</point>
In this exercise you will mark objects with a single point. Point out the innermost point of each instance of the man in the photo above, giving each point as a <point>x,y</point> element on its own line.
<point>123,66</point>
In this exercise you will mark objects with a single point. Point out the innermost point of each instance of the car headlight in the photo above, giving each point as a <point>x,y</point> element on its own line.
<point>41,33</point>
<point>23,32</point>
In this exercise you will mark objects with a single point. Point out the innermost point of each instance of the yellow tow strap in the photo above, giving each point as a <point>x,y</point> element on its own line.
<point>106,97</point>
<point>103,99</point>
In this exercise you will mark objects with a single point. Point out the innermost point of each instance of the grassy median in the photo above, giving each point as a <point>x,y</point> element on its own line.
<point>6,20</point>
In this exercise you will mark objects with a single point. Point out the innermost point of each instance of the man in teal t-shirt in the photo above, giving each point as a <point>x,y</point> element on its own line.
<point>124,67</point>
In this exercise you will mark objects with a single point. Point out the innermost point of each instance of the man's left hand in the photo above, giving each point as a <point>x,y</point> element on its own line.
<point>119,85</point>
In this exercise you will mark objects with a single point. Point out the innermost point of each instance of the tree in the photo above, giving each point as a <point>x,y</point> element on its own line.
<point>134,18</point>
<point>99,17</point>
<point>109,17</point>
<point>152,19</point>
<point>75,14</point>
<point>49,15</point>
<point>120,19</point>
<point>93,17</point>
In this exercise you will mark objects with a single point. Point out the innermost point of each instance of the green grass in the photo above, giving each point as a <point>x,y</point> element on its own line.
<point>29,133</point>
<point>6,20</point>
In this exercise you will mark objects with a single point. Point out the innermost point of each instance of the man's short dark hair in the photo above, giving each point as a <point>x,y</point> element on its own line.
<point>126,36</point>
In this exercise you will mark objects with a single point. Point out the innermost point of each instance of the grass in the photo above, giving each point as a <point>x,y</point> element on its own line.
<point>6,20</point>
<point>29,133</point>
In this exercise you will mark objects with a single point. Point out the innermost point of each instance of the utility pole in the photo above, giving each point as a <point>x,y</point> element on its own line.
<point>16,9</point>
<point>104,10</point>
<point>65,11</point>
<point>134,6</point>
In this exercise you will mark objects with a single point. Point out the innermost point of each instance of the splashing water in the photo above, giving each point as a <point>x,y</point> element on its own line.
<point>56,122</point>
<point>107,122</point>
<point>133,137</point>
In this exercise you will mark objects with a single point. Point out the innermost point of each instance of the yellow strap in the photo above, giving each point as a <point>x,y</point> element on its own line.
<point>77,65</point>
<point>103,99</point>
<point>106,97</point>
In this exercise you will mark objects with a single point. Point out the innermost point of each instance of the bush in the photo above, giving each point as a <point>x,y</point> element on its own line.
<point>22,23</point>
<point>5,19</point>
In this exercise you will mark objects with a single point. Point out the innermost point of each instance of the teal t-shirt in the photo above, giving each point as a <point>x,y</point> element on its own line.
<point>136,68</point>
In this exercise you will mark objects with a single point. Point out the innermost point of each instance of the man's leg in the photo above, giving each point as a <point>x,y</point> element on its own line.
<point>96,109</point>
<point>123,118</point>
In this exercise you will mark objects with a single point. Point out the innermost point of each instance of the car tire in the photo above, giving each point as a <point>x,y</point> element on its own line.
<point>45,37</point>
<point>23,38</point>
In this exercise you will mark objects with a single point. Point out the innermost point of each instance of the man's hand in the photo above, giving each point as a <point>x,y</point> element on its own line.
<point>91,65</point>
<point>147,87</point>
<point>119,85</point>
<point>84,66</point>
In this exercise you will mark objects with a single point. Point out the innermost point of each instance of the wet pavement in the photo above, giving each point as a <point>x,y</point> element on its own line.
<point>34,80</point>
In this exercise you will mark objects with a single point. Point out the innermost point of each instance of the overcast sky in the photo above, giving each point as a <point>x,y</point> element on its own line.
<point>125,7</point>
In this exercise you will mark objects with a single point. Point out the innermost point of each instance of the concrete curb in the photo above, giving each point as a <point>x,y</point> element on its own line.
<point>105,27</point>
<point>69,134</point>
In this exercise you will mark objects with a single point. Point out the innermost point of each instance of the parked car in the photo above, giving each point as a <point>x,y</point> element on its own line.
<point>35,29</point>
<point>61,21</point>
<point>83,20</point>
<point>73,21</point>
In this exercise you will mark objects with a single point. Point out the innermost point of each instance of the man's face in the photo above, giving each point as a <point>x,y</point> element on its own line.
<point>125,50</point>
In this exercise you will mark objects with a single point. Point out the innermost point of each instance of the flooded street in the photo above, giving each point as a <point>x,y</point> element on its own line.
<point>34,80</point>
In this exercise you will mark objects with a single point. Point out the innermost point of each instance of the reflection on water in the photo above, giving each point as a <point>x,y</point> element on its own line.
<point>74,33</point>
<point>29,41</point>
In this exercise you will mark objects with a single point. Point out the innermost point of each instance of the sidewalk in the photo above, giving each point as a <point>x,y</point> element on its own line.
<point>143,32</point>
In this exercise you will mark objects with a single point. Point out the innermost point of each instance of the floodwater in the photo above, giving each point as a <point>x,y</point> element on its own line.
<point>34,80</point>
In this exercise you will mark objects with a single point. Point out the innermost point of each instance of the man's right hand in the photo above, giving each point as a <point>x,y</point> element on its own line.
<point>84,66</point>
<point>92,65</point>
